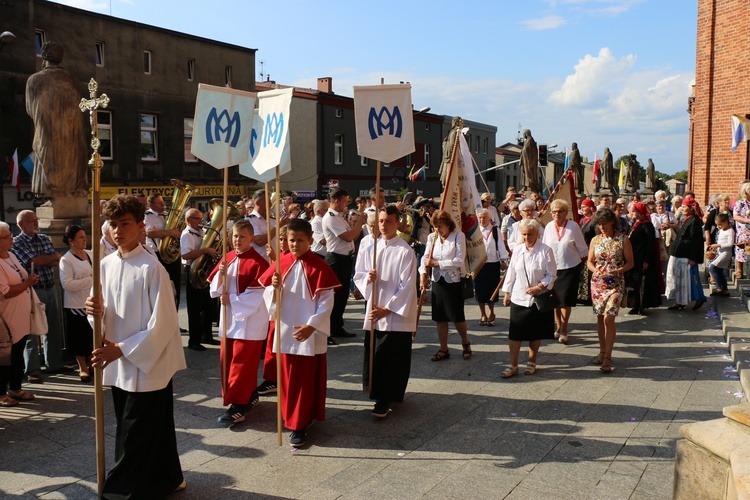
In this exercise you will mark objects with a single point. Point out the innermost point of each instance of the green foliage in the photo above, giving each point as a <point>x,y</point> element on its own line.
<point>682,175</point>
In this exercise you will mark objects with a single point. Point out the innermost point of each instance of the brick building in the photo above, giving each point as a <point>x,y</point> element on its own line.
<point>721,90</point>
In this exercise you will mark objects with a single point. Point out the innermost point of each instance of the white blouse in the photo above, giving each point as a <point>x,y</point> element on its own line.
<point>75,279</point>
<point>569,248</point>
<point>495,249</point>
<point>450,255</point>
<point>17,310</point>
<point>529,268</point>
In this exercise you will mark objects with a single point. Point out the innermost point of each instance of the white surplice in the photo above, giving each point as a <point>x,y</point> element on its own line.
<point>141,317</point>
<point>299,308</point>
<point>248,315</point>
<point>397,287</point>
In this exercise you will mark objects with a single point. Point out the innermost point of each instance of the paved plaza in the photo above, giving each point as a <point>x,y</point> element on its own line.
<point>462,432</point>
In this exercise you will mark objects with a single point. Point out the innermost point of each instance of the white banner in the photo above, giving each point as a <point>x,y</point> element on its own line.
<point>221,126</point>
<point>248,170</point>
<point>384,121</point>
<point>273,139</point>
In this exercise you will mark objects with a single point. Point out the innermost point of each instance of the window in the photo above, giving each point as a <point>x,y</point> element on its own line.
<point>228,74</point>
<point>363,161</point>
<point>427,149</point>
<point>191,71</point>
<point>427,126</point>
<point>339,113</point>
<point>338,149</point>
<point>100,54</point>
<point>468,141</point>
<point>188,140</point>
<point>149,145</point>
<point>40,37</point>
<point>147,62</point>
<point>476,145</point>
<point>486,145</point>
<point>104,132</point>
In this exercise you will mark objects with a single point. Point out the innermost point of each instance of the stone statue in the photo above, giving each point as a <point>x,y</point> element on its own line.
<point>575,164</point>
<point>60,138</point>
<point>633,182</point>
<point>608,171</point>
<point>448,143</point>
<point>530,163</point>
<point>650,176</point>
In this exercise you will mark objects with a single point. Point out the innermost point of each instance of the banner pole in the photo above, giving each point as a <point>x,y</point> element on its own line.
<point>223,281</point>
<point>373,298</point>
<point>277,314</point>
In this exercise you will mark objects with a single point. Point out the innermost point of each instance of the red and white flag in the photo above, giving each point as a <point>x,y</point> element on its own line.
<point>597,167</point>
<point>15,179</point>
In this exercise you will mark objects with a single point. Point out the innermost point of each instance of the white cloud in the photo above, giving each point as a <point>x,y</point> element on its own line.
<point>592,78</point>
<point>544,23</point>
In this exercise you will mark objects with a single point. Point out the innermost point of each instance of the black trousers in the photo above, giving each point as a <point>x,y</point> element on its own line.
<point>200,313</point>
<point>174,270</point>
<point>341,265</point>
<point>391,365</point>
<point>12,376</point>
<point>147,464</point>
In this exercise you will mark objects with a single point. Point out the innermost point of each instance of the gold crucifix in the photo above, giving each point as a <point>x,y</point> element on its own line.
<point>91,105</point>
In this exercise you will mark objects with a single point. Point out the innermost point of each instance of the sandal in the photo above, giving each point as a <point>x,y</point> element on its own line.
<point>21,395</point>
<point>606,365</point>
<point>467,350</point>
<point>598,359</point>
<point>441,355</point>
<point>7,401</point>
<point>676,307</point>
<point>563,339</point>
<point>483,321</point>
<point>510,372</point>
<point>491,320</point>
<point>530,368</point>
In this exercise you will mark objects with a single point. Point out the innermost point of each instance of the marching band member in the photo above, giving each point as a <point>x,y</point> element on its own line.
<point>156,222</point>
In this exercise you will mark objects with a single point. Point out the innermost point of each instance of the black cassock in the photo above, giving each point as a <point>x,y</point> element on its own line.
<point>647,286</point>
<point>391,366</point>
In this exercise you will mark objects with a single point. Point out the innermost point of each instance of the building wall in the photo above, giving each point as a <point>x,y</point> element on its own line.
<point>721,89</point>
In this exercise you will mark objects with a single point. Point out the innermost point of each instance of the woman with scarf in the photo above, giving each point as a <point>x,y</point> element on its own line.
<point>683,278</point>
<point>644,278</point>
<point>588,228</point>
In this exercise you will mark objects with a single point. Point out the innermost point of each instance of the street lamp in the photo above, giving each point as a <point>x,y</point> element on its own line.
<point>6,38</point>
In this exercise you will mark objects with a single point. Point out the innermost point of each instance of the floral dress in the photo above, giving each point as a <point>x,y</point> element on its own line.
<point>607,289</point>
<point>741,208</point>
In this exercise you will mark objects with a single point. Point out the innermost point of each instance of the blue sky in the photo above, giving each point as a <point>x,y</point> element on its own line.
<point>602,73</point>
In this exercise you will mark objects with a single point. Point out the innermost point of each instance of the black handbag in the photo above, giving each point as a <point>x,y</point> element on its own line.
<point>546,301</point>
<point>467,287</point>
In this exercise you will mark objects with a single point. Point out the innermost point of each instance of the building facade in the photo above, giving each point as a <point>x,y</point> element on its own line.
<point>151,76</point>
<point>721,90</point>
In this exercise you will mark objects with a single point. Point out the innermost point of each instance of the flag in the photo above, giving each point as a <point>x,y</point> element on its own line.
<point>273,138</point>
<point>564,190</point>
<point>623,175</point>
<point>15,180</point>
<point>28,163</point>
<point>567,160</point>
<point>597,166</point>
<point>384,121</point>
<point>740,130</point>
<point>422,172</point>
<point>461,200</point>
<point>222,124</point>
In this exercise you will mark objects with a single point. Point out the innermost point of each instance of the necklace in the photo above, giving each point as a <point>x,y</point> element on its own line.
<point>560,231</point>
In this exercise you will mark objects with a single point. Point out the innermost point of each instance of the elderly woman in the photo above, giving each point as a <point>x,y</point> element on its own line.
<point>506,227</point>
<point>742,227</point>
<point>75,279</point>
<point>610,257</point>
<point>683,277</point>
<point>565,239</point>
<point>488,277</point>
<point>528,211</point>
<point>531,271</point>
<point>15,309</point>
<point>665,224</point>
<point>645,277</point>
<point>444,261</point>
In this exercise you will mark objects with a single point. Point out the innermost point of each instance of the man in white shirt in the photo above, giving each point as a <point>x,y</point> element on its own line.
<point>320,207</point>
<point>340,238</point>
<point>156,221</point>
<point>394,311</point>
<point>141,352</point>
<point>257,218</point>
<point>199,302</point>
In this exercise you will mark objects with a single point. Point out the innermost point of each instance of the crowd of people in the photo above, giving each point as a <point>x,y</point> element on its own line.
<point>621,253</point>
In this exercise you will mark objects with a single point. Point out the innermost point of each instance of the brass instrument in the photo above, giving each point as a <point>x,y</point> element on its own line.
<point>203,265</point>
<point>169,248</point>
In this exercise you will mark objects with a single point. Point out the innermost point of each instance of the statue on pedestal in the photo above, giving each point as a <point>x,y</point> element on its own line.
<point>650,177</point>
<point>530,163</point>
<point>577,166</point>
<point>448,144</point>
<point>633,181</point>
<point>608,172</point>
<point>61,159</point>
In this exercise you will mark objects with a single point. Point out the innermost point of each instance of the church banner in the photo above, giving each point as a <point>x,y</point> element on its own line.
<point>384,121</point>
<point>221,125</point>
<point>461,200</point>
<point>248,170</point>
<point>273,133</point>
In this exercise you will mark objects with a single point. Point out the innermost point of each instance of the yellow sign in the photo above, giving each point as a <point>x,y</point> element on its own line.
<point>202,191</point>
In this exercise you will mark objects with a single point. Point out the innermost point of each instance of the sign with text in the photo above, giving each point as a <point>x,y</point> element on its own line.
<point>201,191</point>
<point>384,121</point>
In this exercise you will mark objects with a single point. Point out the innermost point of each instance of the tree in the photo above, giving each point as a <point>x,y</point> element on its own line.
<point>682,175</point>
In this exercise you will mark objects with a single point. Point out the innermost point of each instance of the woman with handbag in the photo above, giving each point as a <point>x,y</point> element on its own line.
<point>444,261</point>
<point>610,256</point>
<point>76,279</point>
<point>15,310</point>
<point>565,239</point>
<point>530,275</point>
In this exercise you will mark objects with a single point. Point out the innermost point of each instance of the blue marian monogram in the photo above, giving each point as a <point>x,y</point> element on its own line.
<point>273,129</point>
<point>394,121</point>
<point>218,123</point>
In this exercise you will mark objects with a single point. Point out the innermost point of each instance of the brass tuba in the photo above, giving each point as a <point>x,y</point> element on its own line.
<point>203,265</point>
<point>169,248</point>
